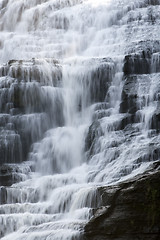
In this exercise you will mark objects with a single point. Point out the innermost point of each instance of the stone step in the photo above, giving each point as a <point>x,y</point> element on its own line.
<point>11,173</point>
<point>44,71</point>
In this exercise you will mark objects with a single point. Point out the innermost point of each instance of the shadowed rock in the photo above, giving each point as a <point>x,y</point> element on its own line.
<point>130,210</point>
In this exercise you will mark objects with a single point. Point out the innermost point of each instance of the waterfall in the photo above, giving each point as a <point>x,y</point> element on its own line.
<point>79,91</point>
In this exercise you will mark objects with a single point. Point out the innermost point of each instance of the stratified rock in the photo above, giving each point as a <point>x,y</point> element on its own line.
<point>130,210</point>
<point>94,132</point>
<point>143,58</point>
<point>155,121</point>
<point>101,78</point>
<point>12,173</point>
<point>137,94</point>
<point>33,70</point>
<point>28,105</point>
<point>129,95</point>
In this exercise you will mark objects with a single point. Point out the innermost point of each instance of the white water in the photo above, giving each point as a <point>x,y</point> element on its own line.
<point>70,41</point>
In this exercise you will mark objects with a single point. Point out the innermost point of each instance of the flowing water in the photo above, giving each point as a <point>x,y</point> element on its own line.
<point>60,94</point>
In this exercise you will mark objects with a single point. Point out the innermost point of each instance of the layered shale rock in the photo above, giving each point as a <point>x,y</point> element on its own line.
<point>12,173</point>
<point>27,107</point>
<point>32,101</point>
<point>129,210</point>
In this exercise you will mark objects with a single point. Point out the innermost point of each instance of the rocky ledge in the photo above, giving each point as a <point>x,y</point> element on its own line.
<point>129,210</point>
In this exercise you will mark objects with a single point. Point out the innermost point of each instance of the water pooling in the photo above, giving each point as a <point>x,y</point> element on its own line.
<point>63,92</point>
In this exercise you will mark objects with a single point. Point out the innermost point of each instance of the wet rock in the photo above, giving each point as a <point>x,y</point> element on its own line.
<point>152,153</point>
<point>101,110</point>
<point>12,173</point>
<point>94,132</point>
<point>126,121</point>
<point>131,210</point>
<point>145,48</point>
<point>28,105</point>
<point>152,2</point>
<point>3,195</point>
<point>129,95</point>
<point>101,78</point>
<point>155,120</point>
<point>143,58</point>
<point>33,70</point>
<point>141,92</point>
<point>155,64</point>
<point>96,78</point>
<point>10,147</point>
<point>137,63</point>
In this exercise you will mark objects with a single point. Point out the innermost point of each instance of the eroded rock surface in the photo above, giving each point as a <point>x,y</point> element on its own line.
<point>129,210</point>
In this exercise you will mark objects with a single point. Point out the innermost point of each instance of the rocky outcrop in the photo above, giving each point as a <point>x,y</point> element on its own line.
<point>33,70</point>
<point>31,99</point>
<point>143,58</point>
<point>27,105</point>
<point>12,173</point>
<point>129,210</point>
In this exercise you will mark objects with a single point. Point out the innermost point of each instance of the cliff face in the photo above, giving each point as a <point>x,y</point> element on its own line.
<point>129,211</point>
<point>79,112</point>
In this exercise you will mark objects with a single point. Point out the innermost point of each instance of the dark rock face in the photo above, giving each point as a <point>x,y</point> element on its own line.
<point>32,101</point>
<point>101,77</point>
<point>32,70</point>
<point>129,95</point>
<point>137,64</point>
<point>12,173</point>
<point>144,60</point>
<point>129,210</point>
<point>27,107</point>
<point>155,121</point>
<point>94,132</point>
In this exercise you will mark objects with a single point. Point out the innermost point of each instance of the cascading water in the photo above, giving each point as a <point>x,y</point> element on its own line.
<point>63,91</point>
